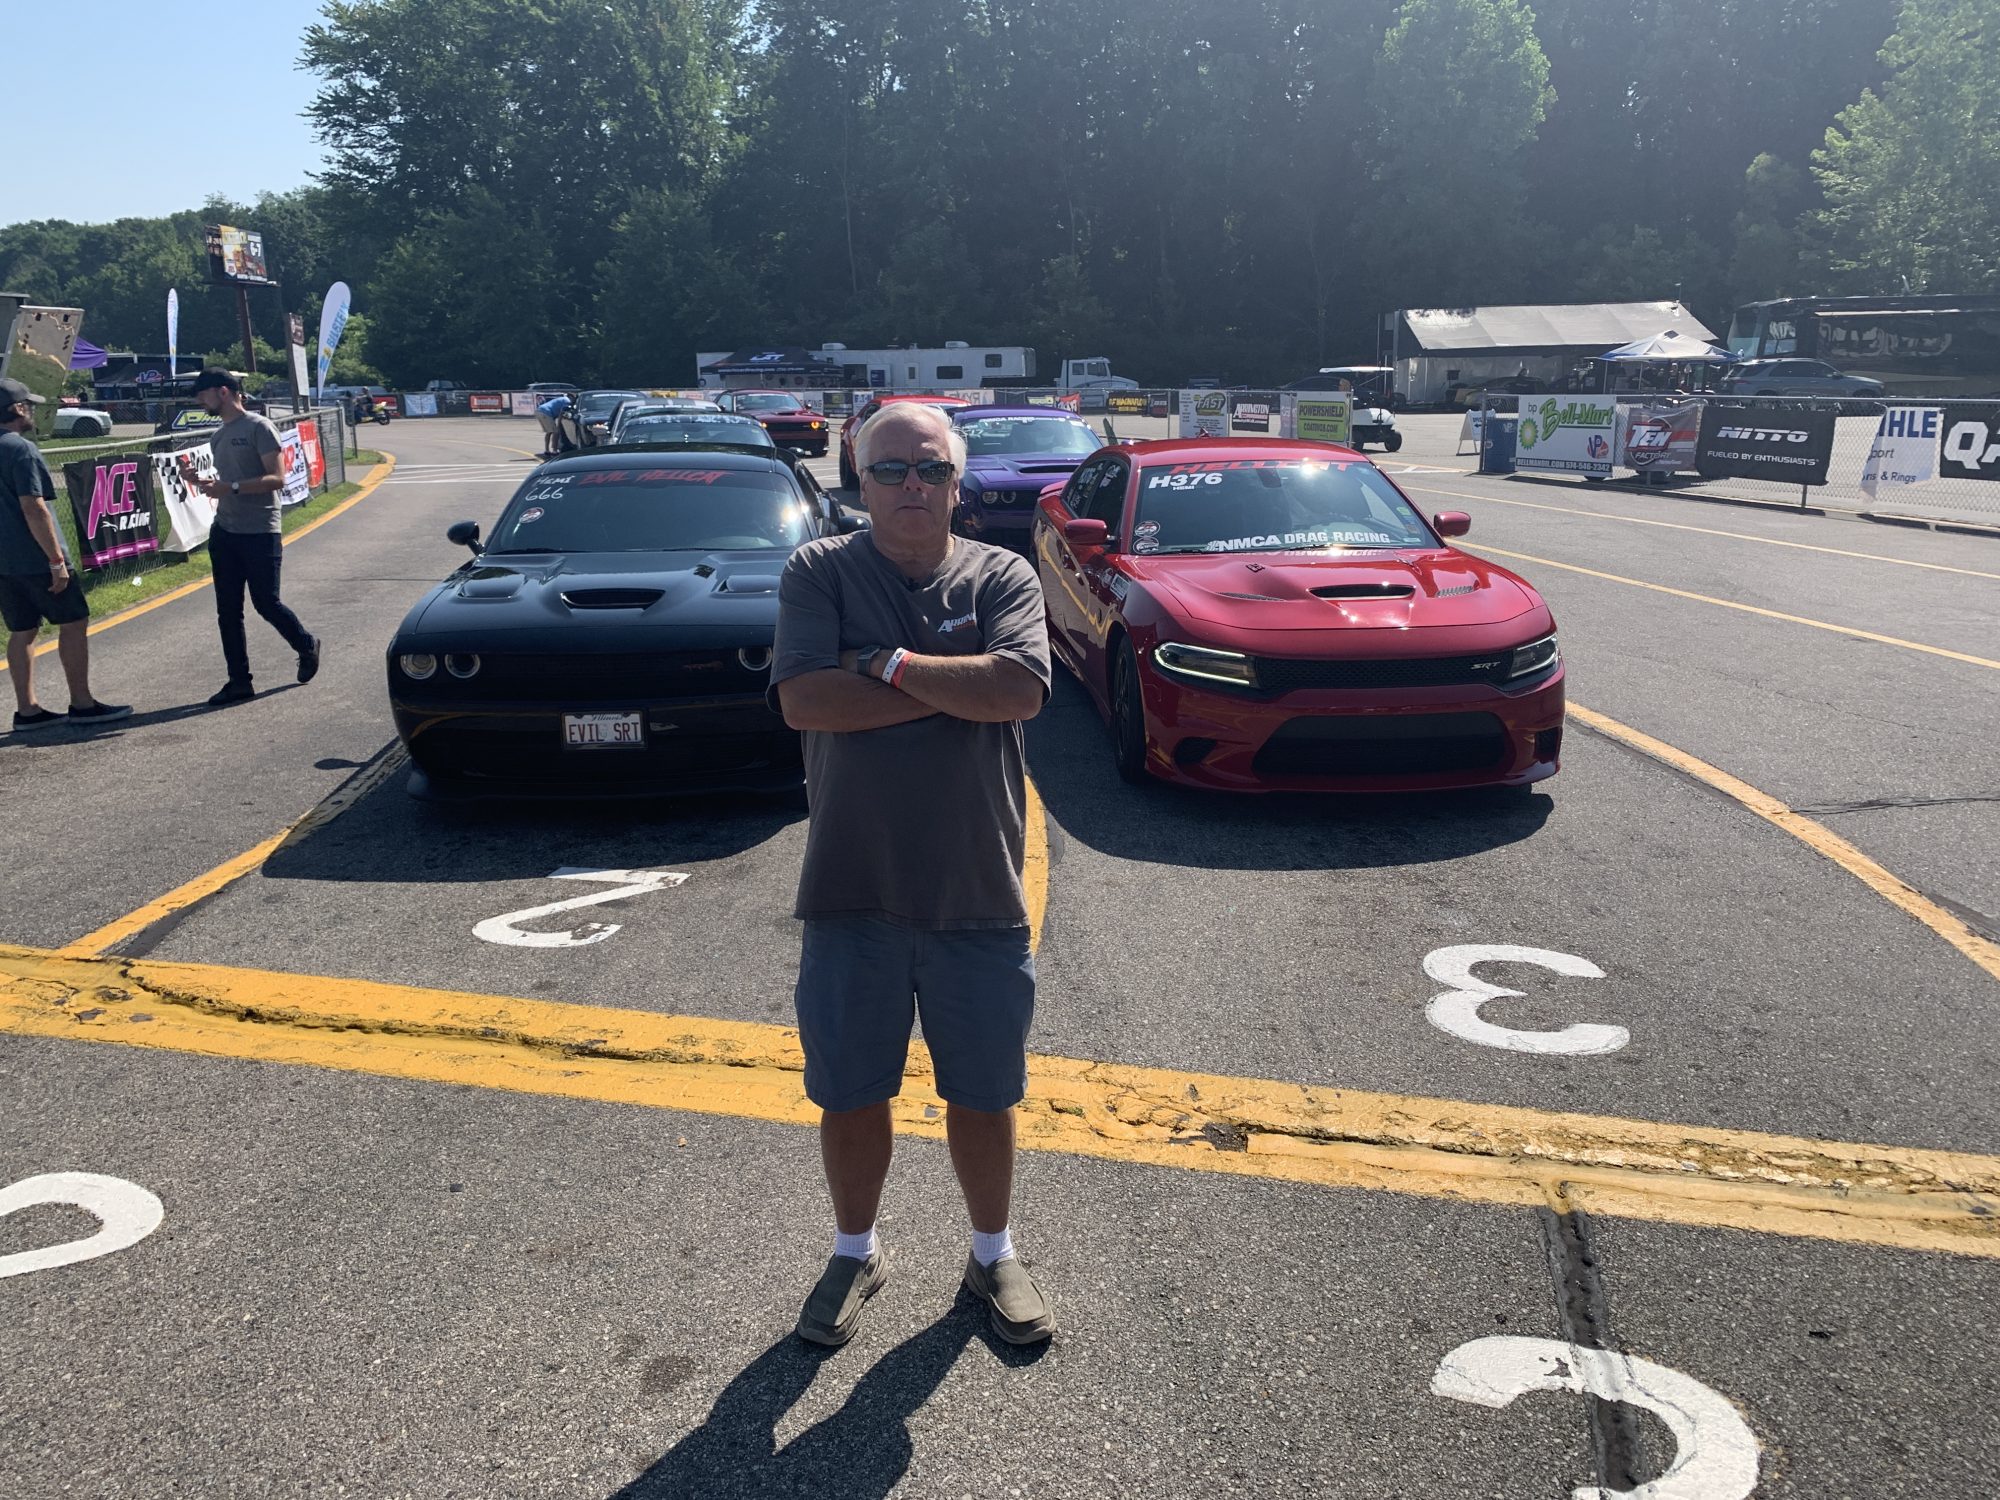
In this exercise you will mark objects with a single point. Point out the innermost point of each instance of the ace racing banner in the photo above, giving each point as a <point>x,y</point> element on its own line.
<point>112,500</point>
<point>1970,447</point>
<point>1741,441</point>
<point>1574,436</point>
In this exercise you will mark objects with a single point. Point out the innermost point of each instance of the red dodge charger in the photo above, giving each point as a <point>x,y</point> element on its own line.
<point>1269,615</point>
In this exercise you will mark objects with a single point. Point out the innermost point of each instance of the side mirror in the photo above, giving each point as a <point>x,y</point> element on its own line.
<point>464,534</point>
<point>848,522</point>
<point>1086,533</point>
<point>1452,523</point>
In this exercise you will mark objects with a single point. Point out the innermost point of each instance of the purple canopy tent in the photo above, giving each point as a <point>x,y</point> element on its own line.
<point>86,356</point>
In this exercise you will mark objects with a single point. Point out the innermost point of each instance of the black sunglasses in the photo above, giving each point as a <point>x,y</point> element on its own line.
<point>895,470</point>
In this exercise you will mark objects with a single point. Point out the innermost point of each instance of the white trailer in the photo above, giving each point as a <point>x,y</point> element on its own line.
<point>954,366</point>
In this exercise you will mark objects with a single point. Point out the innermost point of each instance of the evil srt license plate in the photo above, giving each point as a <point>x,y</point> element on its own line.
<point>604,731</point>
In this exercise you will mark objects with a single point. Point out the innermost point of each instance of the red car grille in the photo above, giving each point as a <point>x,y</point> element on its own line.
<point>1285,674</point>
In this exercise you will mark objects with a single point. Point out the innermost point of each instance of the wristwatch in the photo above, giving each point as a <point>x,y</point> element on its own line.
<point>862,662</point>
<point>236,487</point>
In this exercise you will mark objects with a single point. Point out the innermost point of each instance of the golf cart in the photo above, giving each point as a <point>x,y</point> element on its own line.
<point>1373,421</point>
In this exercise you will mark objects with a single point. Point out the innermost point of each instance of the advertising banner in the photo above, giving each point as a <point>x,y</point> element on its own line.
<point>173,330</point>
<point>190,513</point>
<point>522,403</point>
<point>1324,419</point>
<point>1905,449</point>
<point>486,401</point>
<point>420,404</point>
<point>1741,441</point>
<point>1970,445</point>
<point>235,255</point>
<point>1251,412</point>
<point>1128,403</point>
<point>1660,436</point>
<point>332,324</point>
<point>315,456</point>
<point>1568,436</point>
<point>1203,414</point>
<point>112,500</point>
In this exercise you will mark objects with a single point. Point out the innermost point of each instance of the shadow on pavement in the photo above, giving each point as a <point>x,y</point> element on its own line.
<point>1069,757</point>
<point>861,1452</point>
<point>67,733</point>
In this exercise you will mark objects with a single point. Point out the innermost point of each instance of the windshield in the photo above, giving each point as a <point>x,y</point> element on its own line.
<point>599,404</point>
<point>654,510</point>
<point>768,403</point>
<point>993,437</point>
<point>1272,505</point>
<point>693,427</point>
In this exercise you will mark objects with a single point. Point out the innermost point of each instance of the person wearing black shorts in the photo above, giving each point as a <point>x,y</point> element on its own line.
<point>37,584</point>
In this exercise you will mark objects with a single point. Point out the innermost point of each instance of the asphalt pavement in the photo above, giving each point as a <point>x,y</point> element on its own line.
<point>369,1285</point>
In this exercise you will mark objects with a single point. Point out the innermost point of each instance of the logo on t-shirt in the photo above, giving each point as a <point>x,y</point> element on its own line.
<point>958,622</point>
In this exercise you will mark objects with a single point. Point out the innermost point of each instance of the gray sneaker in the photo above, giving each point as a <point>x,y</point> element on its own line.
<point>1019,1312</point>
<point>832,1314</point>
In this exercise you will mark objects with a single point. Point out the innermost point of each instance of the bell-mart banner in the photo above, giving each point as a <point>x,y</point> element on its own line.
<point>1567,435</point>
<point>113,501</point>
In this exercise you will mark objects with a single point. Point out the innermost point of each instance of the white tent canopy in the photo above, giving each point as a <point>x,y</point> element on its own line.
<point>1670,348</point>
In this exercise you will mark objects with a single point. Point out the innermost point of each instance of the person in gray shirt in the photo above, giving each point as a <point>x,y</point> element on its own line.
<point>245,544</point>
<point>909,659</point>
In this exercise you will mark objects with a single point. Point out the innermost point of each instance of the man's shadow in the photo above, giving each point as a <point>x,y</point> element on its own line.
<point>861,1452</point>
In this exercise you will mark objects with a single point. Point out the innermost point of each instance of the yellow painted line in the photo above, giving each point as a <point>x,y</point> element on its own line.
<point>1327,1137</point>
<point>1748,609</point>
<point>375,477</point>
<point>1035,865</point>
<point>109,936</point>
<point>1816,836</point>
<point>1740,536</point>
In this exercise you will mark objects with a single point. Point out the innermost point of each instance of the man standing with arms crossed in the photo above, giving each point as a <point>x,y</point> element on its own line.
<point>246,544</point>
<point>36,582</point>
<point>909,658</point>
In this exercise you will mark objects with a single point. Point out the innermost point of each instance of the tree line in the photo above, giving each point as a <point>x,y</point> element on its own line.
<point>596,189</point>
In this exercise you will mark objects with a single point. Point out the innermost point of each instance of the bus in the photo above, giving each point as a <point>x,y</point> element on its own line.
<point>1916,346</point>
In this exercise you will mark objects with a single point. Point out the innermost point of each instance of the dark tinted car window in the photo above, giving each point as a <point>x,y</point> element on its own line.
<point>1106,501</point>
<point>994,437</point>
<point>693,427</point>
<point>653,509</point>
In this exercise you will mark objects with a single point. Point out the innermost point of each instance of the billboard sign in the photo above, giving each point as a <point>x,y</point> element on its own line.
<point>235,256</point>
<point>1323,419</point>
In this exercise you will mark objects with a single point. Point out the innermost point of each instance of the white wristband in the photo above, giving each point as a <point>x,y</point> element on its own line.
<point>893,668</point>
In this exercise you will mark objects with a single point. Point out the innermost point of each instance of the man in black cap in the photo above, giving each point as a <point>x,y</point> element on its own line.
<point>246,544</point>
<point>36,583</point>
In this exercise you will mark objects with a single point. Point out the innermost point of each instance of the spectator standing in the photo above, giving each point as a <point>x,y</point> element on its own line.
<point>551,412</point>
<point>246,543</point>
<point>37,582</point>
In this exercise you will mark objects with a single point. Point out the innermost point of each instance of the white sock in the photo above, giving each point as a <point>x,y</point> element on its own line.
<point>987,1248</point>
<point>859,1246</point>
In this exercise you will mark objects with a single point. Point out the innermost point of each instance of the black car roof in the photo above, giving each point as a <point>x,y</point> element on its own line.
<point>692,455</point>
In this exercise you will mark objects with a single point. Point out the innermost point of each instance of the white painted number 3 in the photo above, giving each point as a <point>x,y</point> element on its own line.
<point>126,1213</point>
<point>503,928</point>
<point>1715,1452</point>
<point>1458,1010</point>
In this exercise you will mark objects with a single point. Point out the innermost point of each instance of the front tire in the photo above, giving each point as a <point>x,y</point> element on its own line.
<point>1392,442</point>
<point>1128,716</point>
<point>848,478</point>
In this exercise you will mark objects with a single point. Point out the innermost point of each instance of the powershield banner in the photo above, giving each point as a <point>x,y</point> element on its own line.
<point>1323,419</point>
<point>1741,441</point>
<point>112,500</point>
<point>1573,436</point>
<point>1970,447</point>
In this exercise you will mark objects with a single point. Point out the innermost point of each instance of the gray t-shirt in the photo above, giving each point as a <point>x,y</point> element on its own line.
<point>921,823</point>
<point>239,448</point>
<point>23,472</point>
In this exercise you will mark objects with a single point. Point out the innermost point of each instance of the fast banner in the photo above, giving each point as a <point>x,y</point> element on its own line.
<point>1568,436</point>
<point>1324,419</point>
<point>190,513</point>
<point>1741,441</point>
<point>1905,449</point>
<point>112,500</point>
<point>298,472</point>
<point>1970,441</point>
<point>1204,414</point>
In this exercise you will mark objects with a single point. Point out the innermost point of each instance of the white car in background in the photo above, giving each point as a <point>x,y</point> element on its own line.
<point>82,422</point>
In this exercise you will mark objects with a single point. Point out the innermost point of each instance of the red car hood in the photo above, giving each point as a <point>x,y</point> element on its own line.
<point>1370,590</point>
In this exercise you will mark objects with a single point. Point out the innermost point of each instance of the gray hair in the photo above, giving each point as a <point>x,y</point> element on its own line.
<point>864,442</point>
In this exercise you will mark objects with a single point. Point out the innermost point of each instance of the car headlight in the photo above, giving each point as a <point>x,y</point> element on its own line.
<point>816,426</point>
<point>418,665</point>
<point>1205,664</point>
<point>1536,659</point>
<point>462,664</point>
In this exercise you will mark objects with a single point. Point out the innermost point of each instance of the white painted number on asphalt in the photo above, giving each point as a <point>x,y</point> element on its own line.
<point>1458,1011</point>
<point>503,928</point>
<point>1715,1451</point>
<point>126,1214</point>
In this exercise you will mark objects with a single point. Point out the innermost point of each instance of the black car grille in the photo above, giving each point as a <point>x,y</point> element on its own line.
<point>475,751</point>
<point>649,677</point>
<point>1285,674</point>
<point>1389,745</point>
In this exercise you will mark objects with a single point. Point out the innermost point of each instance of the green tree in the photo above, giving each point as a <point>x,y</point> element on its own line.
<point>1911,173</point>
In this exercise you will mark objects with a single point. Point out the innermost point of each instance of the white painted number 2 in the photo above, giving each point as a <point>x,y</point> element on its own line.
<point>1458,1010</point>
<point>126,1213</point>
<point>503,928</point>
<point>1715,1455</point>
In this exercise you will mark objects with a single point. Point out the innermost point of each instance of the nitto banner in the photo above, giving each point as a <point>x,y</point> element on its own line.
<point>1742,441</point>
<point>1324,419</point>
<point>1573,436</point>
<point>112,500</point>
<point>1905,449</point>
<point>1971,441</point>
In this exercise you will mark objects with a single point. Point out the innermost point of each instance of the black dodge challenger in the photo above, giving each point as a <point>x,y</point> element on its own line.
<point>613,636</point>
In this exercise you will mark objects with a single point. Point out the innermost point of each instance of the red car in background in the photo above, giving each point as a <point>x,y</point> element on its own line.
<point>786,415</point>
<point>1259,614</point>
<point>849,475</point>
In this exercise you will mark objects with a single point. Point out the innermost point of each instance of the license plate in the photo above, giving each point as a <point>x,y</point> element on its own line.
<point>604,731</point>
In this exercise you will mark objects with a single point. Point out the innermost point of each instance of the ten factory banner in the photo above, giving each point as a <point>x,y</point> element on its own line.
<point>112,500</point>
<point>1740,441</point>
<point>1574,436</point>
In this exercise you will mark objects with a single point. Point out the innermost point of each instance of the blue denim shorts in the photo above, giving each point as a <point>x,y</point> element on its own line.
<point>861,984</point>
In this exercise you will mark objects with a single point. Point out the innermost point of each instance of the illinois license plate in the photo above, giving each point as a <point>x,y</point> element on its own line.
<point>604,731</point>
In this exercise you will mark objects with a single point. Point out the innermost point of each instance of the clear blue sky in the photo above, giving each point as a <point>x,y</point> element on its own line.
<point>148,71</point>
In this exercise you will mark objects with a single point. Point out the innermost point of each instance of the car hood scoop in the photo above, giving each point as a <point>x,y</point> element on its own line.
<point>612,598</point>
<point>611,588</point>
<point>1382,590</point>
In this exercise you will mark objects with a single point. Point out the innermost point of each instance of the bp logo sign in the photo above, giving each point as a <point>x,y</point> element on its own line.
<point>1573,437</point>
